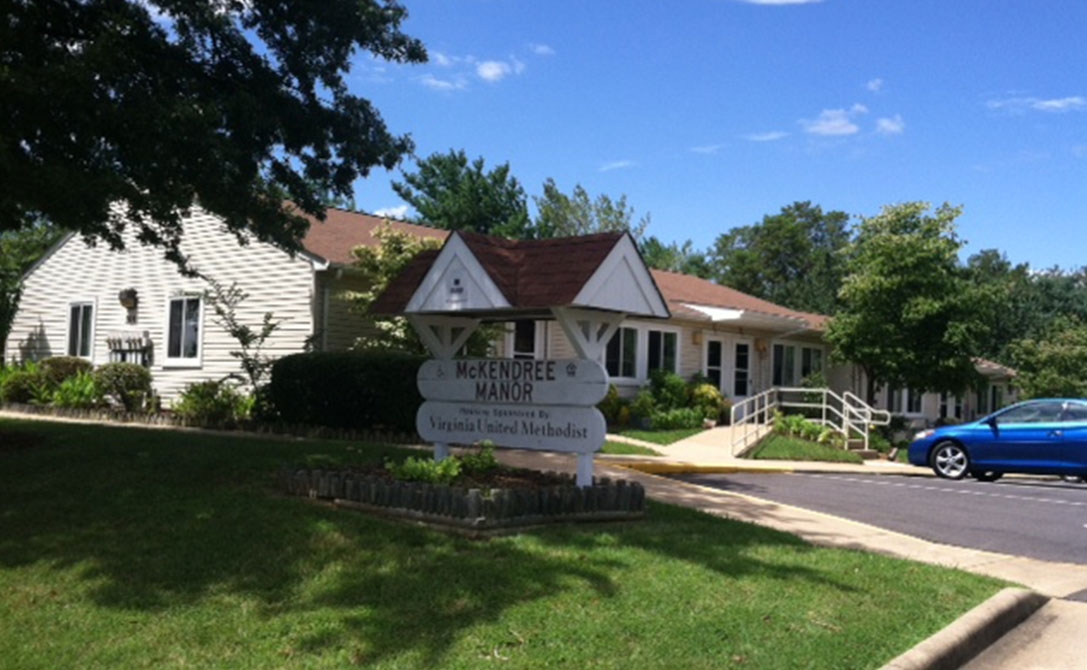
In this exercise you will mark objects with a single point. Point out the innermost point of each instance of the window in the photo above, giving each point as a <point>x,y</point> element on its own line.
<point>983,399</point>
<point>811,362</point>
<point>904,401</point>
<point>524,339</point>
<point>741,376</point>
<point>1035,412</point>
<point>662,351</point>
<point>946,407</point>
<point>80,329</point>
<point>183,330</point>
<point>784,365</point>
<point>622,353</point>
<point>713,362</point>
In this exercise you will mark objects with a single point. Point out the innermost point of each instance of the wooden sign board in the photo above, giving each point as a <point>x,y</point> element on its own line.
<point>550,428</point>
<point>509,380</point>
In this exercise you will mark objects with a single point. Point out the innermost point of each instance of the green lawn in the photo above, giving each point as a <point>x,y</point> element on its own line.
<point>779,447</point>
<point>623,448</point>
<point>660,436</point>
<point>125,547</point>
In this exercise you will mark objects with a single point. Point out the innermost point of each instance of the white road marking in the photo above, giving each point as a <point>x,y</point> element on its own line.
<point>925,487</point>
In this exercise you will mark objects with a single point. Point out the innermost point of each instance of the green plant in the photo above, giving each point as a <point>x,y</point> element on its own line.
<point>643,405</point>
<point>24,384</point>
<point>479,462</point>
<point>681,417</point>
<point>669,390</point>
<point>59,368</point>
<point>423,469</point>
<point>126,384</point>
<point>831,438</point>
<point>78,392</point>
<point>255,364</point>
<point>611,404</point>
<point>809,430</point>
<point>211,403</point>
<point>708,399</point>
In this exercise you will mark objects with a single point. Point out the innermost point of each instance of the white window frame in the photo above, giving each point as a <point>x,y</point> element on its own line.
<point>182,361</point>
<point>907,398</point>
<point>93,304</point>
<point>538,343</point>
<point>641,350</point>
<point>643,362</point>
<point>638,365</point>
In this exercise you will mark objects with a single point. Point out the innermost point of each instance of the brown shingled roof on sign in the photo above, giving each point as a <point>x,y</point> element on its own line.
<point>679,289</point>
<point>341,231</point>
<point>396,295</point>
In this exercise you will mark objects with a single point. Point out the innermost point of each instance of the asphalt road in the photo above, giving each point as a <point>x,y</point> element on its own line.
<point>1024,517</point>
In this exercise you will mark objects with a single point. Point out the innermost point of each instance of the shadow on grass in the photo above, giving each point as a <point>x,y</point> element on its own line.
<point>155,520</point>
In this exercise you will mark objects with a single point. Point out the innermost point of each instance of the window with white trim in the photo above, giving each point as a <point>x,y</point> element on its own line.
<point>811,362</point>
<point>784,365</point>
<point>80,329</point>
<point>662,346</point>
<point>183,326</point>
<point>950,409</point>
<point>904,401</point>
<point>523,339</point>
<point>622,353</point>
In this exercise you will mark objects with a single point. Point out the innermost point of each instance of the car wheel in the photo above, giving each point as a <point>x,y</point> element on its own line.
<point>987,476</point>
<point>1074,479</point>
<point>950,461</point>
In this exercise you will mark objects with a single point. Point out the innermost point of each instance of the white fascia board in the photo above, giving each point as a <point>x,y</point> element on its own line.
<point>749,318</point>
<point>623,283</point>
<point>456,264</point>
<point>717,313</point>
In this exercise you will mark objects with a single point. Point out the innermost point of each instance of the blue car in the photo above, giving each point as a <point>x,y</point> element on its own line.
<point>1045,437</point>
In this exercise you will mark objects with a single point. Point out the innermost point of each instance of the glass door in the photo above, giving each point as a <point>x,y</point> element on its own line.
<point>741,371</point>
<point>714,369</point>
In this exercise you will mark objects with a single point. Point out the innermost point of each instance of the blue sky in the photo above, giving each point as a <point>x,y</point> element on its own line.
<point>709,114</point>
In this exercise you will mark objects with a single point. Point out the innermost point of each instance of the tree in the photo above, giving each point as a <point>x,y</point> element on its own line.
<point>19,250</point>
<point>561,215</point>
<point>793,258</point>
<point>910,316</point>
<point>120,114</point>
<point>256,365</point>
<point>449,193</point>
<point>1055,364</point>
<point>675,257</point>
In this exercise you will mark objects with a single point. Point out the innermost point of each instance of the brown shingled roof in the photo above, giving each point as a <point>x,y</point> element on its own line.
<point>531,274</point>
<point>680,290</point>
<point>341,231</point>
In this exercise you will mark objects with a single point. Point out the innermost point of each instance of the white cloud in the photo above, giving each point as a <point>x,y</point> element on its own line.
<point>440,59</point>
<point>1075,103</point>
<point>518,66</point>
<point>436,84</point>
<point>874,85</point>
<point>541,49</point>
<point>893,125</point>
<point>707,148</point>
<point>834,122</point>
<point>780,2</point>
<point>617,165</point>
<point>772,136</point>
<point>493,70</point>
<point>399,212</point>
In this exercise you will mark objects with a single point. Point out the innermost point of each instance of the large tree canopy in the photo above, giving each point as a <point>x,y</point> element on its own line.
<point>561,215</point>
<point>1055,363</point>
<point>910,316</point>
<point>19,250</point>
<point>162,103</point>
<point>450,193</point>
<point>792,258</point>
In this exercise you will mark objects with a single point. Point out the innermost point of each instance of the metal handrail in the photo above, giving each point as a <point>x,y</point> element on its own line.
<point>847,415</point>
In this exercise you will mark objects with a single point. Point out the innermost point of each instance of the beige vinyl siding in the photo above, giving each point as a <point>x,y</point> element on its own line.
<point>276,283</point>
<point>340,325</point>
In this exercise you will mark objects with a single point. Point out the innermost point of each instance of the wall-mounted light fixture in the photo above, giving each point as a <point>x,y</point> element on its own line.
<point>129,298</point>
<point>696,337</point>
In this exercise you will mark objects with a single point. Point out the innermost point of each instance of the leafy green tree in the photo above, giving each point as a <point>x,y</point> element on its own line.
<point>123,114</point>
<point>1055,364</point>
<point>675,257</point>
<point>793,258</point>
<point>19,250</point>
<point>910,316</point>
<point>561,215</point>
<point>452,194</point>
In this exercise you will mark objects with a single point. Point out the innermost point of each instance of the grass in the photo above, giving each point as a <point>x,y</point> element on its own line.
<point>626,449</point>
<point>126,547</point>
<point>780,447</point>
<point>663,437</point>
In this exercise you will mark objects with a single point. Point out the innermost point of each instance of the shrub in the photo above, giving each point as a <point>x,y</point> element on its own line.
<point>707,399</point>
<point>422,469</point>
<point>643,405</point>
<point>24,384</point>
<point>681,417</point>
<point>611,404</point>
<point>358,390</point>
<point>59,368</point>
<point>211,403</point>
<point>480,462</point>
<point>126,384</point>
<point>668,389</point>
<point>78,391</point>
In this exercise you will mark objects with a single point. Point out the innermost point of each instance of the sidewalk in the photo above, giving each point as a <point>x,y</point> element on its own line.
<point>1054,637</point>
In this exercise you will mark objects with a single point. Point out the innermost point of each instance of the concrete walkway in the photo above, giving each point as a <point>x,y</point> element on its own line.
<point>1054,637</point>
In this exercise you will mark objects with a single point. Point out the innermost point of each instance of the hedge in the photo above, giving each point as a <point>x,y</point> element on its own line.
<point>370,390</point>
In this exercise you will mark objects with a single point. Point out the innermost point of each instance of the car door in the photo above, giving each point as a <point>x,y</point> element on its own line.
<point>1027,438</point>
<point>1074,428</point>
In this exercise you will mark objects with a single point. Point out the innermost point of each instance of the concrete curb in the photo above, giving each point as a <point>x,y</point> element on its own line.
<point>674,468</point>
<point>971,633</point>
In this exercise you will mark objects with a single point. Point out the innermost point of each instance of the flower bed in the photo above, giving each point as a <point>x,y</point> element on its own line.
<point>475,510</point>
